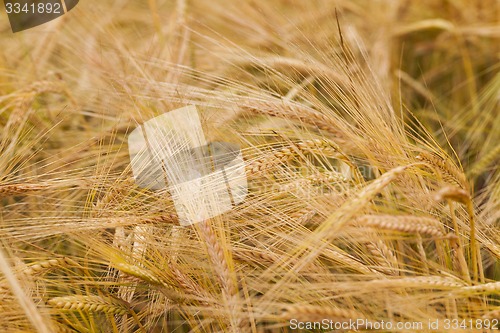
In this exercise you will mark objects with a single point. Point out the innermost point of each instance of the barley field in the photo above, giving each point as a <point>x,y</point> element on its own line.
<point>370,133</point>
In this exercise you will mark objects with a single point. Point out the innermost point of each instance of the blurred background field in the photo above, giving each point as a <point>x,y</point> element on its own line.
<point>371,134</point>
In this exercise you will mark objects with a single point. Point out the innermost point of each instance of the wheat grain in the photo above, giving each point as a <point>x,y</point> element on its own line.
<point>344,214</point>
<point>459,262</point>
<point>254,255</point>
<point>303,216</point>
<point>163,218</point>
<point>45,86</point>
<point>138,272</point>
<point>340,257</point>
<point>452,193</point>
<point>114,194</point>
<point>21,105</point>
<point>285,154</point>
<point>37,318</point>
<point>449,171</point>
<point>217,257</point>
<point>17,189</point>
<point>487,287</point>
<point>255,167</point>
<point>297,112</point>
<point>423,282</point>
<point>327,177</point>
<point>221,267</point>
<point>460,195</point>
<point>91,304</point>
<point>388,263</point>
<point>42,267</point>
<point>403,223</point>
<point>186,282</point>
<point>321,146</point>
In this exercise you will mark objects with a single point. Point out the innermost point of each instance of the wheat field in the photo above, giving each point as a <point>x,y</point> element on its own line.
<point>370,131</point>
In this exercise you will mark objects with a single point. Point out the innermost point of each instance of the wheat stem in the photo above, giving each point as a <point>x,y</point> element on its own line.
<point>220,264</point>
<point>456,194</point>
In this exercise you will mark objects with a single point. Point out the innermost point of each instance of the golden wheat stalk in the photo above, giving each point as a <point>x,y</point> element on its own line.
<point>20,189</point>
<point>22,100</point>
<point>368,192</point>
<point>221,267</point>
<point>482,288</point>
<point>90,304</point>
<point>339,256</point>
<point>254,256</point>
<point>283,155</point>
<point>298,113</point>
<point>456,194</point>
<point>138,272</point>
<point>218,258</point>
<point>303,216</point>
<point>187,282</point>
<point>448,170</point>
<point>421,282</point>
<point>41,267</point>
<point>384,256</point>
<point>459,262</point>
<point>344,214</point>
<point>452,193</point>
<point>403,223</point>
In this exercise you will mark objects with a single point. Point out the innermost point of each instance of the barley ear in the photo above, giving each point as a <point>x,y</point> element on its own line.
<point>91,304</point>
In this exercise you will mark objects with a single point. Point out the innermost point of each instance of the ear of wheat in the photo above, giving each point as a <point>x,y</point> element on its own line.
<point>90,304</point>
